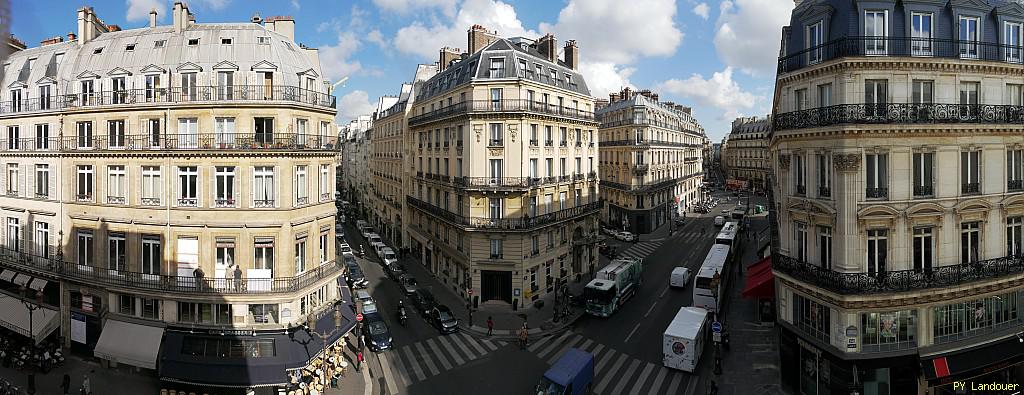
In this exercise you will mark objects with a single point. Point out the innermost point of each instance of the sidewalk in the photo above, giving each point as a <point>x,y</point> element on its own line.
<point>123,380</point>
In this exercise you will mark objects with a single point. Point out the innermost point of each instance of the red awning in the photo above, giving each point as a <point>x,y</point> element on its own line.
<point>760,281</point>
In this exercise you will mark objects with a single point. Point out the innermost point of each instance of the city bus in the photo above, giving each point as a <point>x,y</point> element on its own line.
<point>728,234</point>
<point>718,262</point>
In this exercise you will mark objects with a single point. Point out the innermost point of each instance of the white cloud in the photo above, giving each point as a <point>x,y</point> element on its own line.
<point>424,41</point>
<point>719,91</point>
<point>609,31</point>
<point>354,104</point>
<point>749,33</point>
<point>605,77</point>
<point>296,5</point>
<point>702,10</point>
<point>138,10</point>
<point>336,59</point>
<point>375,36</point>
<point>214,4</point>
<point>405,6</point>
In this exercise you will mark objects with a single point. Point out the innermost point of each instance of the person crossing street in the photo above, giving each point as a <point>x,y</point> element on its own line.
<point>524,337</point>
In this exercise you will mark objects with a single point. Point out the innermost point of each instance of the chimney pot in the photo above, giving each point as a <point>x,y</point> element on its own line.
<point>71,36</point>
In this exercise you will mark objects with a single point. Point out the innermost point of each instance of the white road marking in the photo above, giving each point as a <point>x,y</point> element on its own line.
<point>570,343</point>
<point>389,379</point>
<point>662,295</point>
<point>658,379</point>
<point>439,355</point>
<point>643,378</point>
<point>426,358</point>
<point>554,344</point>
<point>447,344</point>
<point>651,309</point>
<point>675,383</point>
<point>607,376</point>
<point>624,378</point>
<point>366,379</point>
<point>476,346</point>
<point>632,332</point>
<point>462,346</point>
<point>400,371</point>
<point>537,344</point>
<point>416,369</point>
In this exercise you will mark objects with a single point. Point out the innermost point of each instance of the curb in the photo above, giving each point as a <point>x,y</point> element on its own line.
<point>510,334</point>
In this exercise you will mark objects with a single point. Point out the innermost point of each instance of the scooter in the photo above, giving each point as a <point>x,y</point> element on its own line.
<point>362,252</point>
<point>402,317</point>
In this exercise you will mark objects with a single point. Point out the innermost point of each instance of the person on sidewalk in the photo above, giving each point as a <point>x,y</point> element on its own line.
<point>86,385</point>
<point>65,384</point>
<point>490,326</point>
<point>359,360</point>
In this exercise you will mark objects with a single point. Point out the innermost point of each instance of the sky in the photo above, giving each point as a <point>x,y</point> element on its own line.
<point>718,57</point>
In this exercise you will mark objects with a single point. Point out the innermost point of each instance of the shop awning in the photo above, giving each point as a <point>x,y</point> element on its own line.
<point>7,275</point>
<point>760,281</point>
<point>37,284</point>
<point>129,343</point>
<point>964,365</point>
<point>14,316</point>
<point>182,361</point>
<point>22,279</point>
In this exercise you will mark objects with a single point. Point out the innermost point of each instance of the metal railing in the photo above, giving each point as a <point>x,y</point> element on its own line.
<point>923,190</point>
<point>46,264</point>
<point>824,192</point>
<point>899,113</point>
<point>876,193</point>
<point>970,187</point>
<point>646,142</point>
<point>506,105</point>
<point>174,141</point>
<point>521,223</point>
<point>897,280</point>
<point>1015,185</point>
<point>882,46</point>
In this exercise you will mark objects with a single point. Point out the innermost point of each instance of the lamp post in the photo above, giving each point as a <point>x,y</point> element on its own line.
<point>311,328</point>
<point>32,305</point>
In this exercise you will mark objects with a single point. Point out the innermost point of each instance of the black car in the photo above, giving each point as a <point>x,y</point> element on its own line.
<point>409,284</point>
<point>424,301</point>
<point>394,270</point>
<point>376,334</point>
<point>443,319</point>
<point>355,274</point>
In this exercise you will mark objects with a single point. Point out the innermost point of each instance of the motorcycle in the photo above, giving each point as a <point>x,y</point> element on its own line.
<point>402,317</point>
<point>362,252</point>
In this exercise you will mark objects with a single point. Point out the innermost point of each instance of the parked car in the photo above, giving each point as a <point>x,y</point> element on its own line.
<point>363,297</point>
<point>608,231</point>
<point>354,273</point>
<point>625,236</point>
<point>408,283</point>
<point>373,238</point>
<point>394,270</point>
<point>376,334</point>
<point>719,220</point>
<point>377,248</point>
<point>344,248</point>
<point>443,319</point>
<point>423,300</point>
<point>726,211</point>
<point>388,256</point>
<point>369,307</point>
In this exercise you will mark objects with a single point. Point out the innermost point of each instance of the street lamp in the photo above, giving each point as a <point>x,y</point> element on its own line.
<point>310,327</point>
<point>32,305</point>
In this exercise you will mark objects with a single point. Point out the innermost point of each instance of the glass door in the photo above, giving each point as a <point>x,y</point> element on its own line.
<point>921,33</point>
<point>876,31</point>
<point>968,37</point>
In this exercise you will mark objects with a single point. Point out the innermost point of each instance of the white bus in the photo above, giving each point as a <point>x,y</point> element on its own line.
<point>718,261</point>
<point>728,234</point>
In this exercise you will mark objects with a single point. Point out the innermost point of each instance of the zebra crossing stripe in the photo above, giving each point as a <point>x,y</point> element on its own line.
<point>569,343</point>
<point>426,358</point>
<point>676,379</point>
<point>489,344</point>
<point>389,376</point>
<point>607,376</point>
<point>658,379</point>
<point>643,379</point>
<point>624,378</point>
<point>416,369</point>
<point>551,361</point>
<point>400,370</point>
<point>472,342</point>
<point>554,344</point>
<point>438,354</point>
<point>603,360</point>
<point>537,344</point>
<point>465,350</point>
<point>597,350</point>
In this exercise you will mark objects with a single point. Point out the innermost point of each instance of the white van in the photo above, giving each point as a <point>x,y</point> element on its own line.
<point>388,256</point>
<point>684,339</point>
<point>719,220</point>
<point>373,238</point>
<point>680,276</point>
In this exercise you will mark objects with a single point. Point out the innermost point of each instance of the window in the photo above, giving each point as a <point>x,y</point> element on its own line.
<point>264,128</point>
<point>496,135</point>
<point>889,331</point>
<point>13,234</point>
<point>496,252</point>
<point>12,179</point>
<point>562,137</point>
<point>263,186</point>
<point>188,133</point>
<point>325,183</point>
<point>496,167</point>
<point>300,255</point>
<point>970,172</point>
<point>825,246</point>
<point>189,90</point>
<point>188,185</point>
<point>42,239</point>
<point>824,175</point>
<point>1013,236</point>
<point>561,167</point>
<point>152,255</point>
<point>1014,169</point>
<point>120,94</point>
<point>264,254</point>
<point>921,34</point>
<point>969,94</point>
<point>44,97</point>
<point>800,241</point>
<point>42,181</point>
<point>876,166</point>
<point>151,186</point>
<point>225,253</point>
<point>812,318</point>
<point>225,85</point>
<point>150,308</point>
<point>84,246</point>
<point>115,134</point>
<point>550,166</point>
<point>875,26</point>
<point>224,179</point>
<point>824,95</point>
<point>800,174</point>
<point>548,136</point>
<point>126,304</point>
<point>923,249</point>
<point>153,90</point>
<point>193,41</point>
<point>878,249</point>
<point>968,37</point>
<point>971,318</point>
<point>225,132</point>
<point>225,41</point>
<point>496,99</point>
<point>970,242</point>
<point>97,51</point>
<point>533,168</point>
<point>159,43</point>
<point>116,252</point>
<point>1012,41</point>
<point>265,40</point>
<point>922,91</point>
<point>497,69</point>
<point>85,182</point>
<point>495,206</point>
<point>923,170</point>
<point>16,103</point>
<point>815,38</point>
<point>800,99</point>
<point>301,186</point>
<point>153,131</point>
<point>117,188</point>
<point>84,130</point>
<point>875,97</point>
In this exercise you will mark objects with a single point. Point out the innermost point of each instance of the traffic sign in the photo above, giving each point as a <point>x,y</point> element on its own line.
<point>471,291</point>
<point>716,327</point>
<point>359,317</point>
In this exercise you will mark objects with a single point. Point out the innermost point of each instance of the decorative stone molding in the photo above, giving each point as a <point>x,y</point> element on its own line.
<point>512,131</point>
<point>495,151</point>
<point>479,129</point>
<point>784,161</point>
<point>846,162</point>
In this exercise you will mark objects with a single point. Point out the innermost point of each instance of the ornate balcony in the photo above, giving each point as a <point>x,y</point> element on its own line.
<point>522,223</point>
<point>1015,185</point>
<point>501,106</point>
<point>188,202</point>
<point>224,202</point>
<point>876,193</point>
<point>12,192</point>
<point>641,169</point>
<point>899,113</point>
<point>875,46</point>
<point>899,280</point>
<point>150,201</point>
<point>970,188</point>
<point>824,192</point>
<point>176,141</point>
<point>115,200</point>
<point>923,190</point>
<point>263,203</point>
<point>83,197</point>
<point>493,182</point>
<point>801,189</point>
<point>302,201</point>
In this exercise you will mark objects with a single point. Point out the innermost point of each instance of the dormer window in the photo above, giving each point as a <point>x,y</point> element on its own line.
<point>97,51</point>
<point>159,43</point>
<point>130,47</point>
<point>497,69</point>
<point>815,37</point>
<point>225,41</point>
<point>193,42</point>
<point>265,40</point>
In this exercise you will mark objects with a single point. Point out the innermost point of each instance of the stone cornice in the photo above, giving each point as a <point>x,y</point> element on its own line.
<point>988,68</point>
<point>898,131</point>
<point>906,299</point>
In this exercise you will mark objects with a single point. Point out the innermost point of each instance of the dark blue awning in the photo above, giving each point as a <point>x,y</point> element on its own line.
<point>227,360</point>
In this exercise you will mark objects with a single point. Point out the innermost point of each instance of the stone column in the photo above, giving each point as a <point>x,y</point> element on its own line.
<point>846,235</point>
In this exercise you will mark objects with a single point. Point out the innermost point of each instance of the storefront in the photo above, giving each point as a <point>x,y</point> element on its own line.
<point>129,343</point>
<point>760,286</point>
<point>996,362</point>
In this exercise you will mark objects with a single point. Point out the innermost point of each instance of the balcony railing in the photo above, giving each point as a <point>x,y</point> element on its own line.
<point>188,202</point>
<point>175,141</point>
<point>801,189</point>
<point>970,187</point>
<point>898,280</point>
<point>644,187</point>
<point>83,197</point>
<point>150,201</point>
<point>493,182</point>
<point>115,200</point>
<point>1015,185</point>
<point>302,201</point>
<point>899,113</point>
<point>923,190</point>
<point>901,47</point>
<point>46,265</point>
<point>824,192</point>
<point>224,202</point>
<point>507,105</point>
<point>876,193</point>
<point>522,223</point>
<point>646,142</point>
<point>263,203</point>
<point>641,169</point>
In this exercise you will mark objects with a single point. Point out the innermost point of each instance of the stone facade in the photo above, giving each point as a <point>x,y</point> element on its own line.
<point>745,157</point>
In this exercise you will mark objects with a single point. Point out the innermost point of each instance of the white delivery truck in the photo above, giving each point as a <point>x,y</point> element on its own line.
<point>684,339</point>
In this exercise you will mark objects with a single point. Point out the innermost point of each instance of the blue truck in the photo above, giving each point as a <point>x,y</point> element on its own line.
<point>572,374</point>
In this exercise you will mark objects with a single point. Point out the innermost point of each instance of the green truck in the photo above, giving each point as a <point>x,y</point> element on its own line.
<point>612,286</point>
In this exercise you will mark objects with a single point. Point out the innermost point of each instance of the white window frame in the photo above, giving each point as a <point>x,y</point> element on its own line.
<point>922,33</point>
<point>151,186</point>
<point>117,184</point>
<point>872,25</point>
<point>301,185</point>
<point>224,186</point>
<point>968,34</point>
<point>263,197</point>
<point>815,37</point>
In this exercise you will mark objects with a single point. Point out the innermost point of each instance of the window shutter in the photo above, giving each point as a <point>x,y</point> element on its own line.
<point>252,188</point>
<point>236,185</point>
<point>277,188</point>
<point>21,182</point>
<point>51,183</point>
<point>30,176</point>
<point>176,188</point>
<point>49,240</point>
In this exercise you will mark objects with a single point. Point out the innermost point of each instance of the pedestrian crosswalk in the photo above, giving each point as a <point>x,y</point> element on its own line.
<point>642,249</point>
<point>422,360</point>
<point>612,367</point>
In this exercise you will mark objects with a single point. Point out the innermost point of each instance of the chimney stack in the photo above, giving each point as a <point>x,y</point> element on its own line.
<point>89,25</point>
<point>283,25</point>
<point>71,36</point>
<point>180,16</point>
<point>447,56</point>
<point>548,46</point>
<point>52,40</point>
<point>152,18</point>
<point>572,54</point>
<point>479,38</point>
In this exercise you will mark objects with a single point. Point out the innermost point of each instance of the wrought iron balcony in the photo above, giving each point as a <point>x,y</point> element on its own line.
<point>824,192</point>
<point>302,201</point>
<point>495,143</point>
<point>12,192</point>
<point>1015,185</point>
<point>534,143</point>
<point>898,280</point>
<point>115,200</point>
<point>83,197</point>
<point>502,106</point>
<point>263,203</point>
<point>876,193</point>
<point>970,188</point>
<point>521,223</point>
<point>493,182</point>
<point>899,113</point>
<point>42,195</point>
<point>224,202</point>
<point>188,202</point>
<point>801,189</point>
<point>549,143</point>
<point>150,201</point>
<point>641,169</point>
<point>325,196</point>
<point>175,141</point>
<point>644,143</point>
<point>923,190</point>
<point>876,46</point>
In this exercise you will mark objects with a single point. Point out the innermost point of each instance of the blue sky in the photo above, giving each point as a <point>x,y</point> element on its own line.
<point>716,56</point>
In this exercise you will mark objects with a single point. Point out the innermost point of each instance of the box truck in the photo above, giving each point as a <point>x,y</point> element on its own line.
<point>684,339</point>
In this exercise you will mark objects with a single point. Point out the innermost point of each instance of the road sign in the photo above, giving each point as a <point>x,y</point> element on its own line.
<point>716,327</point>
<point>359,317</point>
<point>471,291</point>
<point>716,337</point>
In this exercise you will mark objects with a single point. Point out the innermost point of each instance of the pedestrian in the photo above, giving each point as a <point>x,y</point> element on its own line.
<point>490,326</point>
<point>198,273</point>
<point>86,385</point>
<point>238,277</point>
<point>469,308</point>
<point>359,360</point>
<point>65,383</point>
